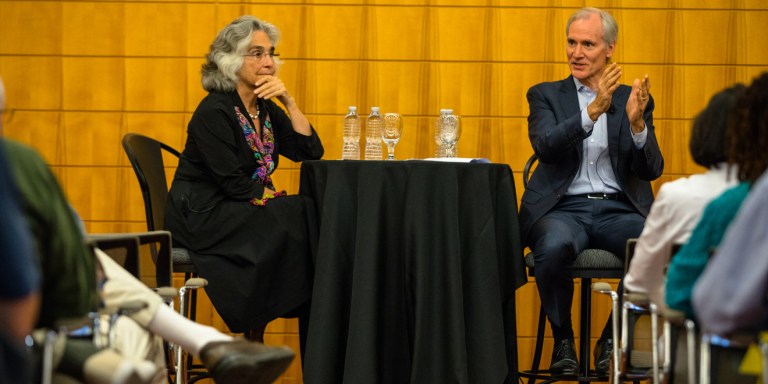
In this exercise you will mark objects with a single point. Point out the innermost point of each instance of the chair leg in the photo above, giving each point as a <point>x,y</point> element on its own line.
<point>192,308</point>
<point>48,342</point>
<point>690,334</point>
<point>539,343</point>
<point>655,343</point>
<point>183,360</point>
<point>256,334</point>
<point>620,336</point>
<point>671,363</point>
<point>764,353</point>
<point>193,305</point>
<point>181,355</point>
<point>614,368</point>
<point>584,338</point>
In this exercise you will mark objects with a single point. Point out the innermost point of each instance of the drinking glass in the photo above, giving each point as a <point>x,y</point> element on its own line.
<point>393,127</point>
<point>450,132</point>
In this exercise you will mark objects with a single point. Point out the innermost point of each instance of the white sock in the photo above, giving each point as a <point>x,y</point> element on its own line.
<point>191,336</point>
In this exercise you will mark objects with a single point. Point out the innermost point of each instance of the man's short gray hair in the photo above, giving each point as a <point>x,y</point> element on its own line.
<point>610,28</point>
<point>225,56</point>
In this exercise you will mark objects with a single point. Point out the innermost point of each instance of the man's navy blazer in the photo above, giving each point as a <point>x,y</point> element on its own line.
<point>556,134</point>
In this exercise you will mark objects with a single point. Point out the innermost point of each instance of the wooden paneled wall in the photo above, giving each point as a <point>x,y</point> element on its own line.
<point>79,74</point>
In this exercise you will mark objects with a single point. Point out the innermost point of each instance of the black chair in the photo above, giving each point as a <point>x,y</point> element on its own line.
<point>146,156</point>
<point>590,264</point>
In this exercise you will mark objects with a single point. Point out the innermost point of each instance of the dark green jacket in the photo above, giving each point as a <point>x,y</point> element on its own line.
<point>66,262</point>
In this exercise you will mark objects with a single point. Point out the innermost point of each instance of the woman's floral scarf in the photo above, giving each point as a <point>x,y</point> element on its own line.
<point>262,147</point>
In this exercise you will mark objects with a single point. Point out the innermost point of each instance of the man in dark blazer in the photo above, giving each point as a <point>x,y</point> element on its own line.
<point>597,154</point>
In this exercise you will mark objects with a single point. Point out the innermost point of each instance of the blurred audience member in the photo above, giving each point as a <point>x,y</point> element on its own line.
<point>19,278</point>
<point>679,203</point>
<point>732,293</point>
<point>747,140</point>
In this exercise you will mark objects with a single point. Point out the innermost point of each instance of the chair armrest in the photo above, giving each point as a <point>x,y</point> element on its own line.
<point>638,298</point>
<point>195,283</point>
<point>673,315</point>
<point>121,247</point>
<point>161,254</point>
<point>125,308</point>
<point>602,287</point>
<point>167,293</point>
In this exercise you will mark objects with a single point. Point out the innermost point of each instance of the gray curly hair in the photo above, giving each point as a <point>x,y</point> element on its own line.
<point>225,56</point>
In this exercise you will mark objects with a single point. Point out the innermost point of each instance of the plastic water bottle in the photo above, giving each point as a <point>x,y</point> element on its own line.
<point>373,126</point>
<point>439,148</point>
<point>351,149</point>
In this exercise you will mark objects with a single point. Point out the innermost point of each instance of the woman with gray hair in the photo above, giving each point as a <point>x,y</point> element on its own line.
<point>248,238</point>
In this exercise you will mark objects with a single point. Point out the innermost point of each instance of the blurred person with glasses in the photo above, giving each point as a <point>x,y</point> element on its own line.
<point>249,239</point>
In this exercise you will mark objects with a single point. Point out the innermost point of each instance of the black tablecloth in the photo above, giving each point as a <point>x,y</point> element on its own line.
<point>416,267</point>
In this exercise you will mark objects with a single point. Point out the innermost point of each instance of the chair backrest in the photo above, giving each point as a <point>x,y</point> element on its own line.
<point>122,248</point>
<point>630,253</point>
<point>146,157</point>
<point>527,169</point>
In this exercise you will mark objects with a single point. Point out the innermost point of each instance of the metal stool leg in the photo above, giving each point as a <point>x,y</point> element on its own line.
<point>539,343</point>
<point>584,337</point>
<point>182,358</point>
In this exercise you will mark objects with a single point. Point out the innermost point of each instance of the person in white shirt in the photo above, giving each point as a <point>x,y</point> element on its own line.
<point>680,203</point>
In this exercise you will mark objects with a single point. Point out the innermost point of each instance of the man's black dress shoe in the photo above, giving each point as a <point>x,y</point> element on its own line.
<point>602,355</point>
<point>245,362</point>
<point>564,362</point>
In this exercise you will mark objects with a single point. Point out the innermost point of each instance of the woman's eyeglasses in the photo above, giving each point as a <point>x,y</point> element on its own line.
<point>259,55</point>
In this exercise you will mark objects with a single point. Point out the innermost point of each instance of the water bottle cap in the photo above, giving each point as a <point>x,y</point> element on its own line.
<point>352,108</point>
<point>374,109</point>
<point>443,111</point>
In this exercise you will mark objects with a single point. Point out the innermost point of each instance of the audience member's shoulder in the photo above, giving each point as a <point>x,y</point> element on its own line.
<point>730,197</point>
<point>681,187</point>
<point>28,166</point>
<point>761,185</point>
<point>700,185</point>
<point>16,150</point>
